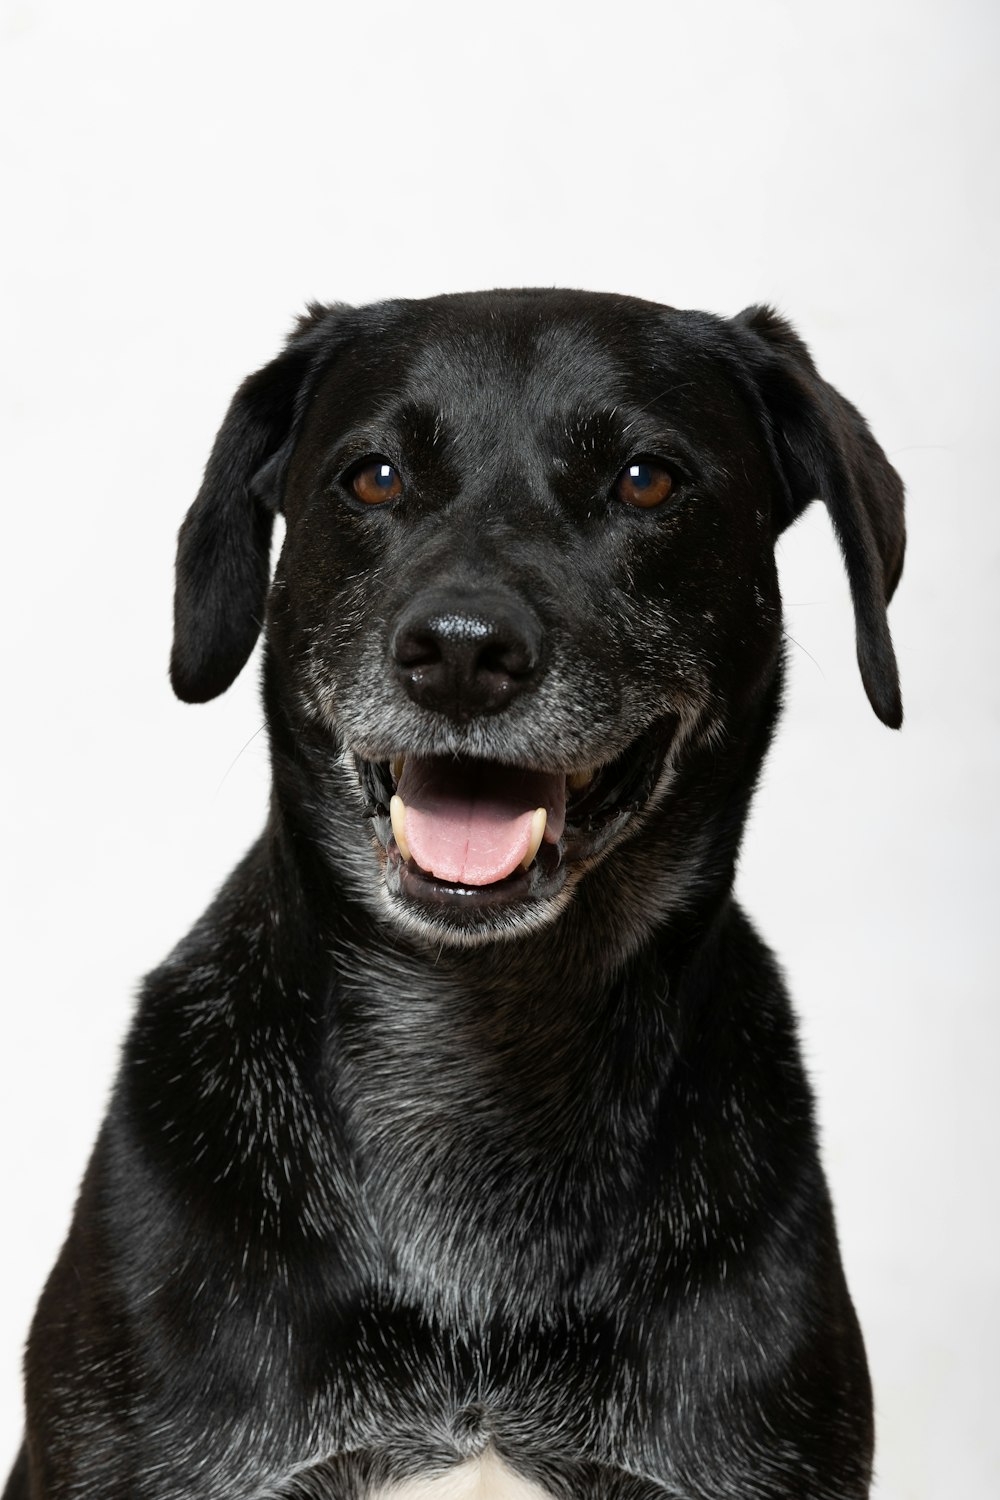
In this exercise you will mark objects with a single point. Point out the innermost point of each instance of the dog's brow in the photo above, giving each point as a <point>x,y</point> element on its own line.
<point>587,429</point>
<point>422,423</point>
<point>612,433</point>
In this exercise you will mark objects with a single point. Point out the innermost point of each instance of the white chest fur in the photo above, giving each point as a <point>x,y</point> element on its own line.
<point>482,1478</point>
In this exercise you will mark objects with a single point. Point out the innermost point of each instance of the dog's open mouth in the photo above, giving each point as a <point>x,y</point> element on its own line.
<point>469,834</point>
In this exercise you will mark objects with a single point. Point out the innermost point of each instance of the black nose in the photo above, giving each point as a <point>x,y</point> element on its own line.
<point>466,654</point>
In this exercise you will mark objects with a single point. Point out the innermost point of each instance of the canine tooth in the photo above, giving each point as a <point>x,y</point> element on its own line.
<point>396,768</point>
<point>397,812</point>
<point>577,780</point>
<point>538,820</point>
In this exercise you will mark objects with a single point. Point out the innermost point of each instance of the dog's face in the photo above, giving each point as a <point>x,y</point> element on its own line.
<point>528,566</point>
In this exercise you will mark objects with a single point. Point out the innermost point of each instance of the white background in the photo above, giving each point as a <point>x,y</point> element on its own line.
<point>178,180</point>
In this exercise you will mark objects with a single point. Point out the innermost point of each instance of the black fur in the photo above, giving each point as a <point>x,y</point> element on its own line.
<point>395,1171</point>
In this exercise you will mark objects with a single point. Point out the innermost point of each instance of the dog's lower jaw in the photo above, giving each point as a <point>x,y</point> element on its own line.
<point>620,834</point>
<point>610,902</point>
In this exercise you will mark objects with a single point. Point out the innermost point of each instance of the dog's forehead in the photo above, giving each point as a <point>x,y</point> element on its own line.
<point>546,356</point>
<point>530,358</point>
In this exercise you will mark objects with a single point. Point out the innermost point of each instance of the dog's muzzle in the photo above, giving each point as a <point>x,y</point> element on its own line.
<point>462,835</point>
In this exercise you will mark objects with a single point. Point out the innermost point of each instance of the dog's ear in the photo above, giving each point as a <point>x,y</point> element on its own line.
<point>224,546</point>
<point>825,450</point>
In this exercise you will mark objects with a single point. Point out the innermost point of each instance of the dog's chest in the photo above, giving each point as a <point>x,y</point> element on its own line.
<point>486,1477</point>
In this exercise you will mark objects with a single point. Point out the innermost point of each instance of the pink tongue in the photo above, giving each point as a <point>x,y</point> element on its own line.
<point>469,822</point>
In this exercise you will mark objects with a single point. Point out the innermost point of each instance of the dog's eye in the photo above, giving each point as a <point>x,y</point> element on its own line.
<point>376,482</point>
<point>644,484</point>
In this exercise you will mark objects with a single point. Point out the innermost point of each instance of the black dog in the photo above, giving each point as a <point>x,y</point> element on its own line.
<point>463,1147</point>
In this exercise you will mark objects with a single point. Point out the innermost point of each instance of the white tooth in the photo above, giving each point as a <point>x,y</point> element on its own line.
<point>538,821</point>
<point>396,767</point>
<point>577,780</point>
<point>397,812</point>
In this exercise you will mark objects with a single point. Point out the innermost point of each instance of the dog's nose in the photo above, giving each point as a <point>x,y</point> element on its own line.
<point>464,655</point>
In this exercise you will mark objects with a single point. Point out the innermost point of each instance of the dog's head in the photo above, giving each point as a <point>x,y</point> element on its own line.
<point>528,576</point>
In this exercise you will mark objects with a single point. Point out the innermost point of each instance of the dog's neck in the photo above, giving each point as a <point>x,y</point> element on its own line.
<point>494,1103</point>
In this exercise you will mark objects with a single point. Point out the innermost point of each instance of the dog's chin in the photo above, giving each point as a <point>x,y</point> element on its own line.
<point>447,913</point>
<point>478,894</point>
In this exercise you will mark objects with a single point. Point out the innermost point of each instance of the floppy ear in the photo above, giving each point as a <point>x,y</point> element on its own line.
<point>826,451</point>
<point>224,546</point>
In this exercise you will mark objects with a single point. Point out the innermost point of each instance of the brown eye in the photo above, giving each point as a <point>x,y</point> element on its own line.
<point>377,482</point>
<point>644,484</point>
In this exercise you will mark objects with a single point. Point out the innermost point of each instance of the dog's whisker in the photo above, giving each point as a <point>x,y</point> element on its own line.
<point>799,647</point>
<point>238,756</point>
